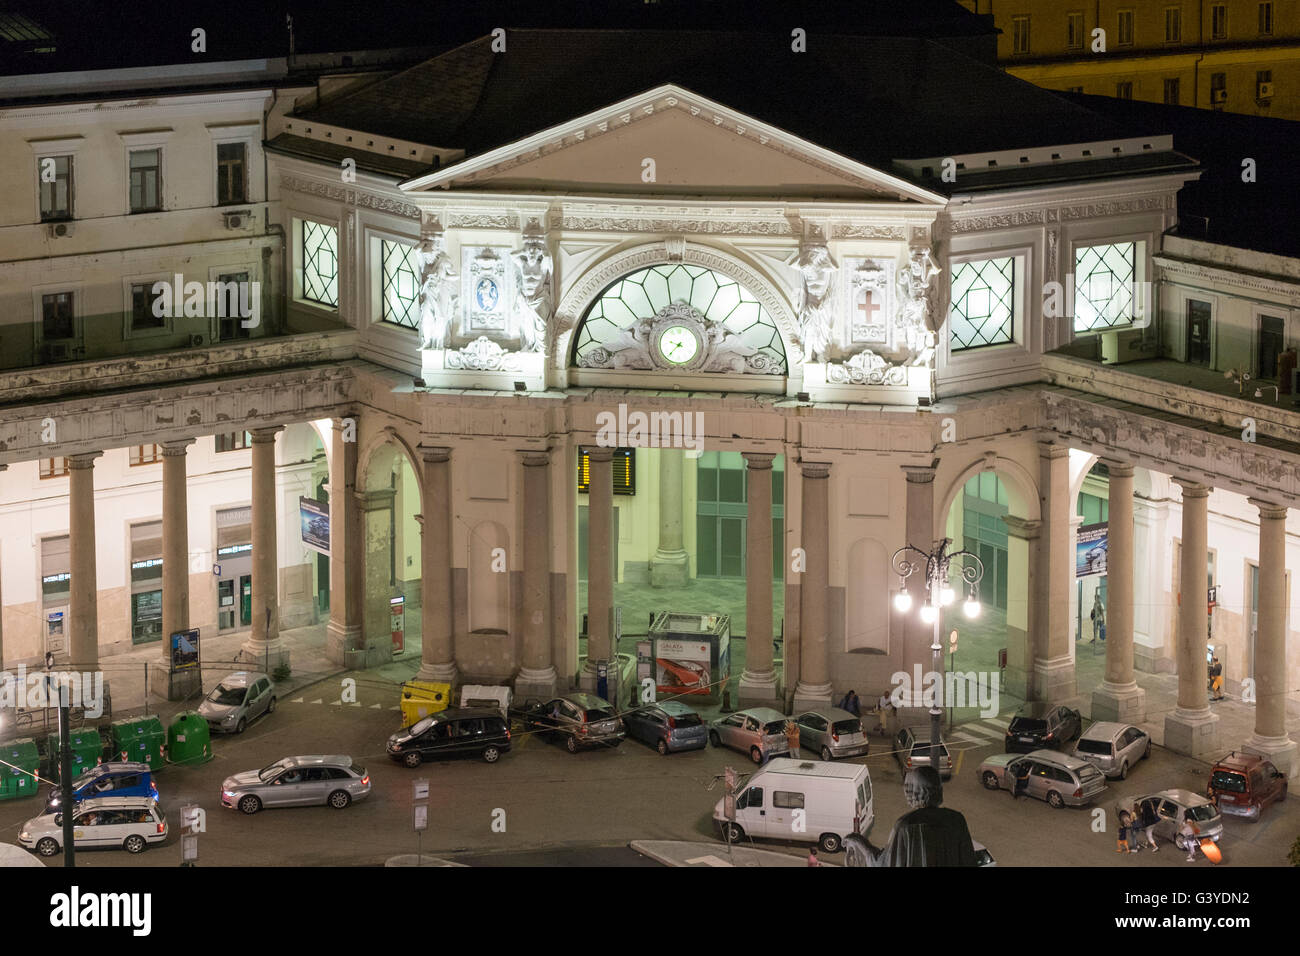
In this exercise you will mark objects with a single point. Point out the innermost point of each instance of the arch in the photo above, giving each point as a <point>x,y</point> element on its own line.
<point>384,447</point>
<point>1022,489</point>
<point>583,294</point>
<point>489,579</point>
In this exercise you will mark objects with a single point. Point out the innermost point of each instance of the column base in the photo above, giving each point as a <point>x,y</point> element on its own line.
<point>1123,703</point>
<point>339,638</point>
<point>670,569</point>
<point>539,682</point>
<point>1280,750</point>
<point>168,686</point>
<point>1054,680</point>
<point>264,656</point>
<point>811,696</point>
<point>759,689</point>
<point>371,655</point>
<point>1193,732</point>
<point>438,673</point>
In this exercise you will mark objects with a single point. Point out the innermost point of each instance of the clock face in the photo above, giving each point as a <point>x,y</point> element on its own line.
<point>678,344</point>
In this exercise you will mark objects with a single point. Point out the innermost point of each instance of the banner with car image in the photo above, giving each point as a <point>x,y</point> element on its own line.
<point>315,518</point>
<point>682,667</point>
<point>1090,550</point>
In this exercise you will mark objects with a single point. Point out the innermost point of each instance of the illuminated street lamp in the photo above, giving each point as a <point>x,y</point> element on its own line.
<point>937,565</point>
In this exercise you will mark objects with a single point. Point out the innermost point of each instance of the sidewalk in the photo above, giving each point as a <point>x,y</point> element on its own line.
<point>682,853</point>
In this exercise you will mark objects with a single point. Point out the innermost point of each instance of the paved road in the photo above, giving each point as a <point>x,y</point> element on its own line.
<point>590,805</point>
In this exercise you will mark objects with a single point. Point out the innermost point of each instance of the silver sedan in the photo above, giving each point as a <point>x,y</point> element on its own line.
<point>297,782</point>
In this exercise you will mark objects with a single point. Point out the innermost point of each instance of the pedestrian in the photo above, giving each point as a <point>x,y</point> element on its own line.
<point>883,707</point>
<point>1098,616</point>
<point>1147,820</point>
<point>1216,678</point>
<point>851,704</point>
<point>1125,831</point>
<point>1022,779</point>
<point>792,738</point>
<point>812,858</point>
<point>1191,841</point>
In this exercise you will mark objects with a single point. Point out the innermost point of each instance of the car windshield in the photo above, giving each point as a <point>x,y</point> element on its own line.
<point>847,726</point>
<point>420,726</point>
<point>266,773</point>
<point>82,779</point>
<point>1028,725</point>
<point>1225,781</point>
<point>595,716</point>
<point>1094,747</point>
<point>228,695</point>
<point>686,720</point>
<point>1205,811</point>
<point>922,748</point>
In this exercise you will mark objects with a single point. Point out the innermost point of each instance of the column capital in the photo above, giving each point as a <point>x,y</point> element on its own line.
<point>600,453</point>
<point>434,454</point>
<point>83,461</point>
<point>919,474</point>
<point>1024,528</point>
<point>757,460</point>
<point>1050,450</point>
<point>1119,469</point>
<point>265,434</point>
<point>376,500</point>
<point>1192,489</point>
<point>176,447</point>
<point>340,421</point>
<point>535,457</point>
<point>1268,509</point>
<point>815,469</point>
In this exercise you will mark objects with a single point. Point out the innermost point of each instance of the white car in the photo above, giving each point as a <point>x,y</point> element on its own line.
<point>131,823</point>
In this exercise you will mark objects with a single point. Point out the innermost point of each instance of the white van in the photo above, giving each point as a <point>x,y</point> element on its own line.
<point>487,695</point>
<point>807,801</point>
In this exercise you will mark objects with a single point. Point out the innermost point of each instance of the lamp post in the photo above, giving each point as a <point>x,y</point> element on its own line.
<point>65,762</point>
<point>939,593</point>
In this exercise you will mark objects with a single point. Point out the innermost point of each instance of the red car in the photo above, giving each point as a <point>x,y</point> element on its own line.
<point>1244,784</point>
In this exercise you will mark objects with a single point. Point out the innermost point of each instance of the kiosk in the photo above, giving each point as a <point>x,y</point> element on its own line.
<point>692,654</point>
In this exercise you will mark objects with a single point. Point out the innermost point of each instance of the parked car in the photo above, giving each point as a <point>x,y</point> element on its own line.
<point>1173,806</point>
<point>1244,784</point>
<point>759,732</point>
<point>131,823</point>
<point>237,701</point>
<point>832,733</point>
<point>118,778</point>
<point>1037,725</point>
<point>583,720</point>
<point>836,800</point>
<point>480,731</point>
<point>668,727</point>
<point>297,782</point>
<point>1060,779</point>
<point>912,749</point>
<point>1113,748</point>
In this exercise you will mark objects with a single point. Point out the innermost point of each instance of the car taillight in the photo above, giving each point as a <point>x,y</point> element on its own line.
<point>583,729</point>
<point>365,781</point>
<point>1049,736</point>
<point>1078,791</point>
<point>507,733</point>
<point>835,737</point>
<point>909,763</point>
<point>672,721</point>
<point>162,828</point>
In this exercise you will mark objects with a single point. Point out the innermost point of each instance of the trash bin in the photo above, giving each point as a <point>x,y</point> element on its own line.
<point>18,776</point>
<point>420,698</point>
<point>188,740</point>
<point>87,751</point>
<point>141,739</point>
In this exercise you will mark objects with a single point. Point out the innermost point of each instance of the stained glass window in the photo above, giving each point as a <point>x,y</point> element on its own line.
<point>1104,286</point>
<point>983,304</point>
<point>320,263</point>
<point>401,285</point>
<point>720,298</point>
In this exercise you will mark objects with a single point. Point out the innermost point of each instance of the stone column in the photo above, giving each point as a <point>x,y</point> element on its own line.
<point>600,560</point>
<point>175,575</point>
<point>814,687</point>
<point>670,567</point>
<point>1119,698</point>
<point>758,682</point>
<point>83,604</point>
<point>1270,739</point>
<point>918,637</point>
<point>1022,571</point>
<point>265,649</point>
<point>3,468</point>
<point>1053,665</point>
<point>437,647</point>
<point>1192,728</point>
<point>343,633</point>
<point>376,517</point>
<point>537,676</point>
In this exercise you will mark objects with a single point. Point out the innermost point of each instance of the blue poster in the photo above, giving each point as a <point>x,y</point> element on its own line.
<point>315,519</point>
<point>185,650</point>
<point>1090,551</point>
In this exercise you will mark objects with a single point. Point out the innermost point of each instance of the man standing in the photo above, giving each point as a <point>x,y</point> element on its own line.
<point>1098,618</point>
<point>792,738</point>
<point>1216,678</point>
<point>1022,779</point>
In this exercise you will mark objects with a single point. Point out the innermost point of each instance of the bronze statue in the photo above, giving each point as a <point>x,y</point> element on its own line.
<point>929,835</point>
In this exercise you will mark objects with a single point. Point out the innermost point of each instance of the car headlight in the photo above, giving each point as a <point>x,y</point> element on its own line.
<point>24,835</point>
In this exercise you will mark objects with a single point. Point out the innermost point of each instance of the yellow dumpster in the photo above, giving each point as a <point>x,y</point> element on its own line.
<point>420,698</point>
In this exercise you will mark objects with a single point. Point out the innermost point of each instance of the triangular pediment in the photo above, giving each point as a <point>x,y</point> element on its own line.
<point>672,142</point>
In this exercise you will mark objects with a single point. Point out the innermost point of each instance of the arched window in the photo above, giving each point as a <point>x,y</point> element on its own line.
<point>680,317</point>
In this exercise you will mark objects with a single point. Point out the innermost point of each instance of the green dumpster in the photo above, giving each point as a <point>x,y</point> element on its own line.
<point>188,740</point>
<point>87,750</point>
<point>18,773</point>
<point>141,739</point>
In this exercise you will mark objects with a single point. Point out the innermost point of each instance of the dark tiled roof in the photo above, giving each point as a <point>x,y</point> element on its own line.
<point>873,99</point>
<point>335,153</point>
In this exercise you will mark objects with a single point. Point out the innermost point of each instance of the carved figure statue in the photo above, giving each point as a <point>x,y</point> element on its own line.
<point>929,835</point>
<point>817,271</point>
<point>917,289</point>
<point>438,296</point>
<point>727,351</point>
<point>535,300</point>
<point>630,348</point>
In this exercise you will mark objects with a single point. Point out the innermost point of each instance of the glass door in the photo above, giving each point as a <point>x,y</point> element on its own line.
<point>1198,332</point>
<point>1270,346</point>
<point>245,600</point>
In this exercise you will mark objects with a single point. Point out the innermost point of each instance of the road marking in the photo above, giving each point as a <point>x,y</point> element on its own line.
<point>1003,722</point>
<point>375,706</point>
<point>336,703</point>
<point>318,701</point>
<point>961,737</point>
<point>296,700</point>
<point>983,731</point>
<point>394,707</point>
<point>956,770</point>
<point>709,860</point>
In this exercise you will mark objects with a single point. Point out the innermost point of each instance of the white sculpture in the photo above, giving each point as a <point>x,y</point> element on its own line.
<point>534,302</point>
<point>817,271</point>
<point>727,351</point>
<point>917,288</point>
<point>437,290</point>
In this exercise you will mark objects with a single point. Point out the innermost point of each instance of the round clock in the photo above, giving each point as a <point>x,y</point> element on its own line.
<point>679,344</point>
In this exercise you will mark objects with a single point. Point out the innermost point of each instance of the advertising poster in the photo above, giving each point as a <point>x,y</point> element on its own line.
<point>315,518</point>
<point>1090,551</point>
<point>185,650</point>
<point>682,667</point>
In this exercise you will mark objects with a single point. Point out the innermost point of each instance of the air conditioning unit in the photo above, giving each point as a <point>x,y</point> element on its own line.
<point>197,340</point>
<point>1264,91</point>
<point>236,218</point>
<point>1122,346</point>
<point>1219,96</point>
<point>59,230</point>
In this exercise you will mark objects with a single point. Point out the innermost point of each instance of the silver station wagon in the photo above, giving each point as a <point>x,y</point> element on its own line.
<point>759,732</point>
<point>832,733</point>
<point>298,782</point>
<point>1113,748</point>
<point>1060,779</point>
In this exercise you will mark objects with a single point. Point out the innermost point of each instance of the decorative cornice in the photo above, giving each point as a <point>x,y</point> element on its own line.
<point>849,230</point>
<point>352,197</point>
<point>958,225</point>
<point>1171,270</point>
<point>699,226</point>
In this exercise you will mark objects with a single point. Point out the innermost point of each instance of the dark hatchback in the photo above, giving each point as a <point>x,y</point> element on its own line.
<point>477,732</point>
<point>1038,725</point>
<point>668,727</point>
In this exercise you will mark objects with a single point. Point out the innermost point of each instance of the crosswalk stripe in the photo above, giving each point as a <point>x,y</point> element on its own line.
<point>960,737</point>
<point>983,731</point>
<point>1003,722</point>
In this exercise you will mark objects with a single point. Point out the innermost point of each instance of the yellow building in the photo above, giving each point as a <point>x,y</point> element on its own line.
<point>1237,55</point>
